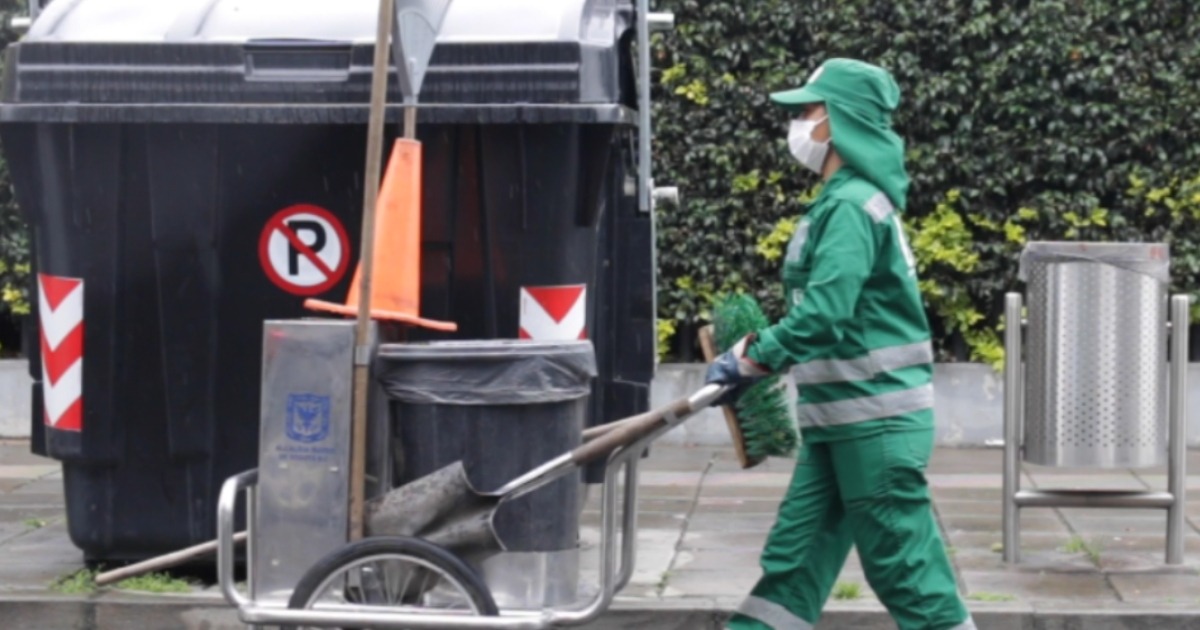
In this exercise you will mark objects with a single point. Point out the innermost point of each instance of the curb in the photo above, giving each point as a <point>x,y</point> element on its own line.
<point>109,610</point>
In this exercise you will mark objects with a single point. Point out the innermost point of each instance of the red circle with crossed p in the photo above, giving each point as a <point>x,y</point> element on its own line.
<point>304,250</point>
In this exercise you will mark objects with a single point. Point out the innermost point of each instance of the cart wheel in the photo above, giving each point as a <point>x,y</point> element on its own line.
<point>394,573</point>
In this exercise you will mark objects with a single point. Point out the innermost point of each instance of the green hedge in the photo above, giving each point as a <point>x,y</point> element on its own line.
<point>1034,120</point>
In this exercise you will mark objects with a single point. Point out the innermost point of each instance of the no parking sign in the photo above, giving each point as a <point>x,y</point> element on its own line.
<point>304,250</point>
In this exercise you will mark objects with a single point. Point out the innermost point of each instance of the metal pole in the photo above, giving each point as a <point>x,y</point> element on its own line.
<point>1141,499</point>
<point>1177,436</point>
<point>1012,427</point>
<point>362,359</point>
<point>643,43</point>
<point>645,184</point>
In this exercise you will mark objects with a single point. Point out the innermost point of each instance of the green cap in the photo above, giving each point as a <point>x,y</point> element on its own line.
<point>847,82</point>
<point>860,99</point>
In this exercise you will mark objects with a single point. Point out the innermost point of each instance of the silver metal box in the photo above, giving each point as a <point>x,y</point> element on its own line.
<point>1096,354</point>
<point>302,499</point>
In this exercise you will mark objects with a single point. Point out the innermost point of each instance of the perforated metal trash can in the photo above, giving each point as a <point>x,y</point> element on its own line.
<point>1096,354</point>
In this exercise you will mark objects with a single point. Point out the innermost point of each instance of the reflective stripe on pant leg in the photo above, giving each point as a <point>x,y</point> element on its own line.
<point>772,614</point>
<point>807,546</point>
<point>882,481</point>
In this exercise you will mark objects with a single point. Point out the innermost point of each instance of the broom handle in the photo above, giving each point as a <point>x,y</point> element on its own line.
<point>625,432</point>
<point>379,81</point>
<point>630,430</point>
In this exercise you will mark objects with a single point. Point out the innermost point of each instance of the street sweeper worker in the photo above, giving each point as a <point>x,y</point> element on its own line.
<point>857,343</point>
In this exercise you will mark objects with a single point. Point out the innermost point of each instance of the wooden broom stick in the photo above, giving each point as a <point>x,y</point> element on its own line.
<point>371,174</point>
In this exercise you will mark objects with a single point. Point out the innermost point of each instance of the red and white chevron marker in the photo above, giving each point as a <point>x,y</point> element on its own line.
<point>554,313</point>
<point>60,313</point>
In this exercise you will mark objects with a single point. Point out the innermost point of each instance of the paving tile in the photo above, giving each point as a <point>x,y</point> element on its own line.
<point>716,560</point>
<point>48,487</point>
<point>976,559</point>
<point>645,520</point>
<point>648,504</point>
<point>952,493</point>
<point>664,506</point>
<point>1156,543</point>
<point>16,453</point>
<point>1028,522</point>
<point>723,540</point>
<point>1097,481</point>
<point>655,551</point>
<point>10,530</point>
<point>1030,586</point>
<point>1119,525</point>
<point>1159,481</point>
<point>952,460</point>
<point>726,460</point>
<point>710,583</point>
<point>20,502</point>
<point>1157,588</point>
<point>26,471</point>
<point>731,522</point>
<point>33,560</point>
<point>1048,561</point>
<point>969,508</point>
<point>654,479</point>
<point>740,505</point>
<point>675,459</point>
<point>1146,562</point>
<point>770,494</point>
<point>967,481</point>
<point>986,541</point>
<point>747,480</point>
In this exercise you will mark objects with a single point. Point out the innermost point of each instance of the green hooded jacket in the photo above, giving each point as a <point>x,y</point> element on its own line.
<point>855,335</point>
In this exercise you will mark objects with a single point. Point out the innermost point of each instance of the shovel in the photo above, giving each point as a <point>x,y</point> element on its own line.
<point>443,508</point>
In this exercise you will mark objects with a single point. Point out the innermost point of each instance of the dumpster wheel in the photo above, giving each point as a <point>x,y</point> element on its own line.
<point>397,574</point>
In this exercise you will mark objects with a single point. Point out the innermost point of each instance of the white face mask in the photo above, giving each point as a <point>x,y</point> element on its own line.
<point>807,151</point>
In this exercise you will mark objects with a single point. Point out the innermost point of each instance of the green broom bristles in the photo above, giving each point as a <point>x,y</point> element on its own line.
<point>762,411</point>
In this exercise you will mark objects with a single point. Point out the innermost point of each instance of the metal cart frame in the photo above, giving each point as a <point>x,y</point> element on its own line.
<point>615,572</point>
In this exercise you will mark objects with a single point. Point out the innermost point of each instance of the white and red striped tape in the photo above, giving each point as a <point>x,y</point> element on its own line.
<point>60,312</point>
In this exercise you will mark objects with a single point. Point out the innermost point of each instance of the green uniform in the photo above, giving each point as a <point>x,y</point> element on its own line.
<point>857,343</point>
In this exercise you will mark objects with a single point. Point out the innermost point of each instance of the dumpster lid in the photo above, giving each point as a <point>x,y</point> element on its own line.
<point>310,61</point>
<point>1151,259</point>
<point>487,372</point>
<point>466,21</point>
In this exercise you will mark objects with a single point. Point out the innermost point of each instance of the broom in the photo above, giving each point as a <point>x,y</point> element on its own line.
<point>758,421</point>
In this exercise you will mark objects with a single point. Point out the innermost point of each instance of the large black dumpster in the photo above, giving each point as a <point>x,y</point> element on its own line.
<point>191,169</point>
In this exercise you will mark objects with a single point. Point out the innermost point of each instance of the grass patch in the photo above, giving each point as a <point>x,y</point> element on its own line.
<point>80,582</point>
<point>847,590</point>
<point>35,523</point>
<point>951,551</point>
<point>1078,545</point>
<point>663,581</point>
<point>991,597</point>
<point>997,547</point>
<point>155,583</point>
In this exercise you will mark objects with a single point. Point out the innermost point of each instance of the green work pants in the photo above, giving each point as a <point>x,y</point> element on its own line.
<point>870,493</point>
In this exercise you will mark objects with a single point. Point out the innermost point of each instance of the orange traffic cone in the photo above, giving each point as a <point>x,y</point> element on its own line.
<point>396,276</point>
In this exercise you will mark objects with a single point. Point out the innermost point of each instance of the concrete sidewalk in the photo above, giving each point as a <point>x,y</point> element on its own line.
<point>701,526</point>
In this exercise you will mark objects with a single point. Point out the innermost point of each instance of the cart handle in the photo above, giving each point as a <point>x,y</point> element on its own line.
<point>226,509</point>
<point>631,429</point>
<point>622,434</point>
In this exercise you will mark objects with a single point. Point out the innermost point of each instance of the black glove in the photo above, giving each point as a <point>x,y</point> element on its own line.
<point>735,370</point>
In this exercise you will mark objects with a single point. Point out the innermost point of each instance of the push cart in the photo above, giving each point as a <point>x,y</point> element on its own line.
<point>411,582</point>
